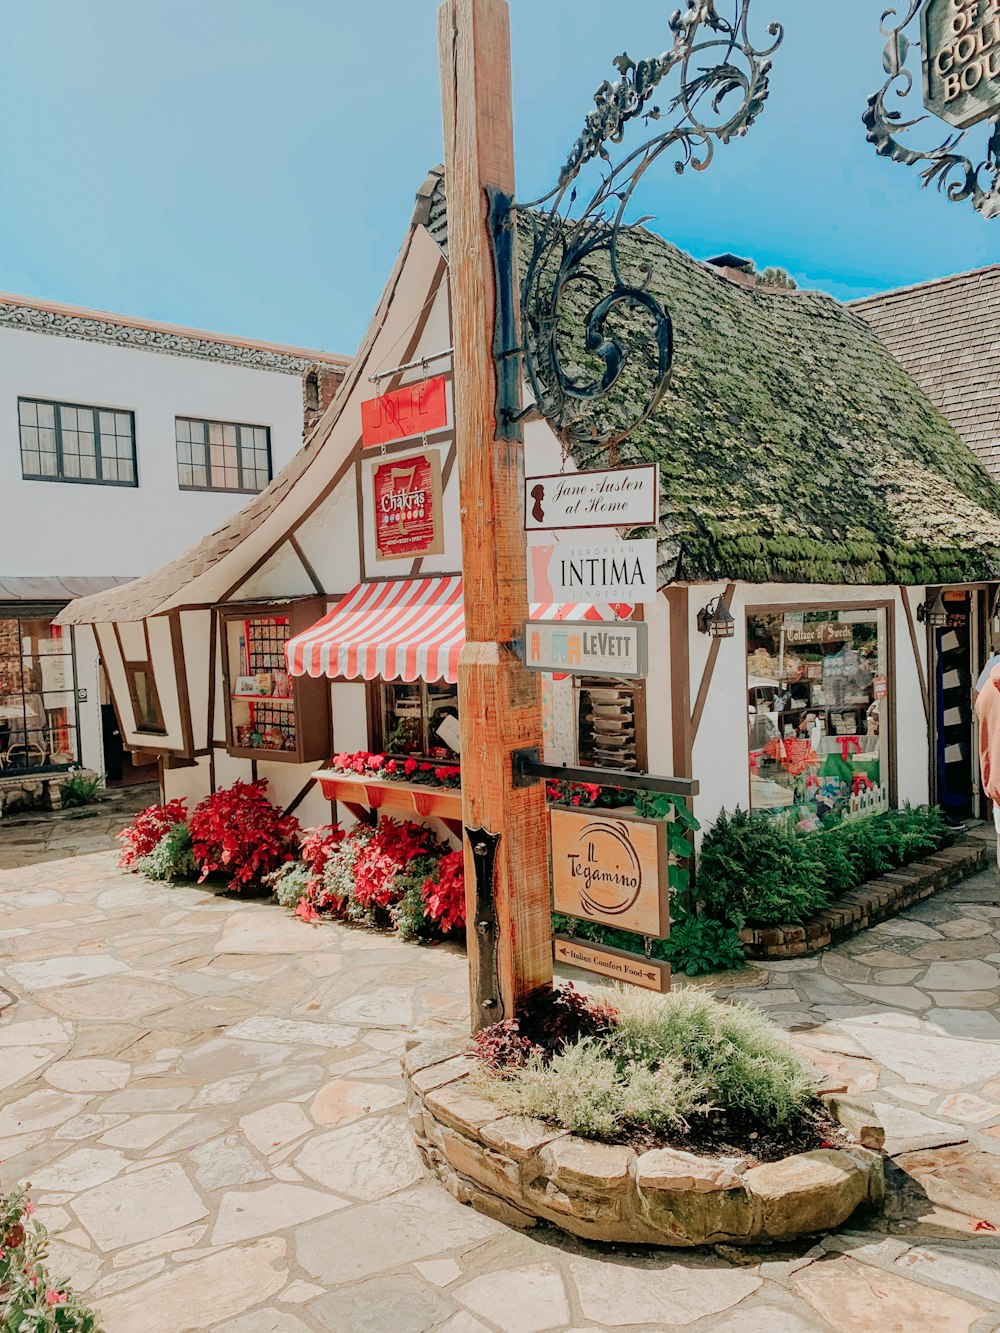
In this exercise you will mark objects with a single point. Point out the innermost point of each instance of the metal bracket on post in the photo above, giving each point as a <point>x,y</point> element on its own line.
<point>486,987</point>
<point>528,770</point>
<point>502,221</point>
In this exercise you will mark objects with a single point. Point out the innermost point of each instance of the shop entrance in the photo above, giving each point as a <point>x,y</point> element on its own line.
<point>960,650</point>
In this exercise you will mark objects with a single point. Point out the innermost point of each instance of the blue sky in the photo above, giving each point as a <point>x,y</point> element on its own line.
<point>249,166</point>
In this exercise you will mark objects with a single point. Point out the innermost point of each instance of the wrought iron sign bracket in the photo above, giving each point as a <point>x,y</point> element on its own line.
<point>486,987</point>
<point>573,359</point>
<point>529,769</point>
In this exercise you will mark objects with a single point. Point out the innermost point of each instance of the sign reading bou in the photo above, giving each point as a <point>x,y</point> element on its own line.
<point>961,59</point>
<point>611,869</point>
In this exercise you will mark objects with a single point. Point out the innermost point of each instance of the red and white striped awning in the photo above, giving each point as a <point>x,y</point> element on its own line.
<point>412,629</point>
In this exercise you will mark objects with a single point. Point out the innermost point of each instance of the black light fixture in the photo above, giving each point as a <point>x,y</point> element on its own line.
<point>716,620</point>
<point>933,614</point>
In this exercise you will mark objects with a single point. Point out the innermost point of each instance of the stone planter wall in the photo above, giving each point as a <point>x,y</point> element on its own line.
<point>873,902</point>
<point>35,791</point>
<point>521,1171</point>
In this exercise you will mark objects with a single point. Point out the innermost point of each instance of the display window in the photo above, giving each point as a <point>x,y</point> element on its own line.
<point>269,713</point>
<point>145,699</point>
<point>38,716</point>
<point>419,720</point>
<point>819,709</point>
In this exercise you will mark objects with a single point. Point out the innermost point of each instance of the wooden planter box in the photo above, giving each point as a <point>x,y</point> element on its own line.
<point>362,794</point>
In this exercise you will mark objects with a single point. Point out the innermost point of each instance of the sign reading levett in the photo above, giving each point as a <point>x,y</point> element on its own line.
<point>587,648</point>
<point>617,498</point>
<point>611,869</point>
<point>598,571</point>
<point>961,59</point>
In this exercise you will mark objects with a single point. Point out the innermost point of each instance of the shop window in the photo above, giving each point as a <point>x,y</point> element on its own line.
<point>38,714</point>
<point>66,442</point>
<point>819,704</point>
<point>419,720</point>
<point>222,456</point>
<point>145,700</point>
<point>271,714</point>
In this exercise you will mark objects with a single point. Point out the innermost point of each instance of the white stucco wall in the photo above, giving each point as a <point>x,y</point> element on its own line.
<point>57,528</point>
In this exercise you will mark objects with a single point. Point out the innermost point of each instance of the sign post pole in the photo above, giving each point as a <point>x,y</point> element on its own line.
<point>506,845</point>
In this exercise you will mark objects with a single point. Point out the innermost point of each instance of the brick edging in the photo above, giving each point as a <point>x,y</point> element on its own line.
<point>874,901</point>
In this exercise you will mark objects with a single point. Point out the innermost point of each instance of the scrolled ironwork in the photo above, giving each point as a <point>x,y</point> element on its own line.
<point>577,256</point>
<point>957,173</point>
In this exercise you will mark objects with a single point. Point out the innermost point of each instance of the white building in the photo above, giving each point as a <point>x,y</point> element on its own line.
<point>122,442</point>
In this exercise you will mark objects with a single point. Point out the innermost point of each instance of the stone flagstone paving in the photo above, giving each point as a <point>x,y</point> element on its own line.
<point>205,1095</point>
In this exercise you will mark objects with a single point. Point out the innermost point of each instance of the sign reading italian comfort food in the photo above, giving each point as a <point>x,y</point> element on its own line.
<point>612,869</point>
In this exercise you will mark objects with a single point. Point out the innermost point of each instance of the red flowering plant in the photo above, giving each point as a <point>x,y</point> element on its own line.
<point>140,837</point>
<point>585,794</point>
<point>443,894</point>
<point>239,833</point>
<point>547,1023</point>
<point>301,884</point>
<point>29,1297</point>
<point>397,769</point>
<point>388,851</point>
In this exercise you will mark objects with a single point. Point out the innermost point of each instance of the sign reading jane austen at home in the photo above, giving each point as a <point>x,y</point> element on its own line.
<point>587,647</point>
<point>961,59</point>
<point>616,498</point>
<point>611,869</point>
<point>595,571</point>
<point>415,409</point>
<point>406,501</point>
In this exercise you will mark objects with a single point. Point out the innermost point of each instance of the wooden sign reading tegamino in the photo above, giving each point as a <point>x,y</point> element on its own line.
<point>614,964</point>
<point>612,869</point>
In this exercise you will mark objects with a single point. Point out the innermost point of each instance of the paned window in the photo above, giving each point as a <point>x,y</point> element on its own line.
<point>67,442</point>
<point>145,700</point>
<point>37,695</point>
<point>420,720</point>
<point>819,699</point>
<point>222,456</point>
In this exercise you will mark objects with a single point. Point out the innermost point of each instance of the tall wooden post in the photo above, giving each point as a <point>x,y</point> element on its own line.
<point>499,702</point>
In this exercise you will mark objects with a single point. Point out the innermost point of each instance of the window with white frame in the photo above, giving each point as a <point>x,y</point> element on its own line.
<point>69,442</point>
<point>222,456</point>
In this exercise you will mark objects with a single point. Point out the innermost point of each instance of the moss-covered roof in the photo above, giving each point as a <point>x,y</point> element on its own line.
<point>792,446</point>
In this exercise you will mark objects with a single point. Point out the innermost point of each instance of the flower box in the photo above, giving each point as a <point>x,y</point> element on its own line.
<point>387,797</point>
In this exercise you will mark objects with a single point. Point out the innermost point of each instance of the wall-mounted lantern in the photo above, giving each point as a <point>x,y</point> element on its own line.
<point>933,613</point>
<point>716,620</point>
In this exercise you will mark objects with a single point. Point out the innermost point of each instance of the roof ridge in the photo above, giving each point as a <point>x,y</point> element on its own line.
<point>922,286</point>
<point>159,326</point>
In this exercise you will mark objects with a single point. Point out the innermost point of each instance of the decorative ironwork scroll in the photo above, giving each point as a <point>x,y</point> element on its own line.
<point>958,70</point>
<point>590,323</point>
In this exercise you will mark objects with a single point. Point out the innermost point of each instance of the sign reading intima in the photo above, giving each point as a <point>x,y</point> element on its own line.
<point>961,59</point>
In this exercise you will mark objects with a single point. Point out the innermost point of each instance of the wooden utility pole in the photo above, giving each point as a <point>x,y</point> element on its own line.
<point>510,952</point>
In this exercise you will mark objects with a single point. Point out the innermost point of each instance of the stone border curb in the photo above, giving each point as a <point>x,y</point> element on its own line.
<point>875,901</point>
<point>521,1171</point>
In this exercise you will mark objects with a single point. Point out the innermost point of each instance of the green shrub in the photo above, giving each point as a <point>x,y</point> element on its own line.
<point>81,789</point>
<point>734,1050</point>
<point>699,945</point>
<point>409,915</point>
<point>757,870</point>
<point>664,1061</point>
<point>31,1301</point>
<point>587,1092</point>
<point>172,857</point>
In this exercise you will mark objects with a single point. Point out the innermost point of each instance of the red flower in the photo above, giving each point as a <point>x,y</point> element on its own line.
<point>238,830</point>
<point>410,767</point>
<point>575,800</point>
<point>375,762</point>
<point>391,767</point>
<point>147,828</point>
<point>53,1297</point>
<point>444,898</point>
<point>426,768</point>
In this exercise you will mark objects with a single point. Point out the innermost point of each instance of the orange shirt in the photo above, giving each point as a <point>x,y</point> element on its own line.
<point>988,712</point>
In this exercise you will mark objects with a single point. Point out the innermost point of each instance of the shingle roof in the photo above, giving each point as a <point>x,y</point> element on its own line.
<point>55,587</point>
<point>946,333</point>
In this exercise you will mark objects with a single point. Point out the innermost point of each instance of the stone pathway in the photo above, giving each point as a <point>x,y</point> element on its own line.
<point>205,1095</point>
<point>35,836</point>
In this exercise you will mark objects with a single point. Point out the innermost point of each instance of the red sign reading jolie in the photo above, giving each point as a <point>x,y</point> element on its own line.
<point>407,503</point>
<point>415,409</point>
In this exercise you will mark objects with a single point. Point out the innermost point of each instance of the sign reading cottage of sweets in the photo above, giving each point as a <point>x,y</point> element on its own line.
<point>961,59</point>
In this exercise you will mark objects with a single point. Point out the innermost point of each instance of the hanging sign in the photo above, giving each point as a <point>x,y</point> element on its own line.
<point>620,497</point>
<point>599,571</point>
<point>614,964</point>
<point>961,59</point>
<point>825,631</point>
<point>587,647</point>
<point>415,409</point>
<point>611,869</point>
<point>406,498</point>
